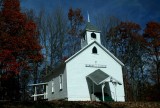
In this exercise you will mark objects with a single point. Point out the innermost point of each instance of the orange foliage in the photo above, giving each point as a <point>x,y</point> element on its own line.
<point>128,33</point>
<point>76,19</point>
<point>152,37</point>
<point>152,34</point>
<point>18,39</point>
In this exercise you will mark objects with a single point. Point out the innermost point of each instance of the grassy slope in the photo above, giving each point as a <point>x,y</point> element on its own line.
<point>82,104</point>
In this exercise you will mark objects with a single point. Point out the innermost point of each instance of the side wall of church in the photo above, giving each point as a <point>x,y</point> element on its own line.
<point>55,92</point>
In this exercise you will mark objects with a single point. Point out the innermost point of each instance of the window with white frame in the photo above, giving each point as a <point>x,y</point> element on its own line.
<point>53,90</point>
<point>60,82</point>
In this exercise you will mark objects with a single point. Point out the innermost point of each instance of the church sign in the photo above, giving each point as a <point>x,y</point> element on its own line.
<point>96,65</point>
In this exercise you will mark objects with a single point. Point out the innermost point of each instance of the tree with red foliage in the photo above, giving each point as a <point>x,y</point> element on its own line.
<point>76,20</point>
<point>19,46</point>
<point>152,45</point>
<point>152,39</point>
<point>129,48</point>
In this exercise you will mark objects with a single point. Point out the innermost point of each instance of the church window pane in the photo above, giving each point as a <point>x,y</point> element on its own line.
<point>93,35</point>
<point>60,82</point>
<point>94,50</point>
<point>52,86</point>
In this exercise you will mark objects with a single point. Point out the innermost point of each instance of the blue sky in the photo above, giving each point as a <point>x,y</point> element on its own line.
<point>139,11</point>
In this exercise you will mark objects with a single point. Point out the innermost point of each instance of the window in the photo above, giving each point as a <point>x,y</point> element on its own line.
<point>93,35</point>
<point>94,50</point>
<point>53,86</point>
<point>84,37</point>
<point>60,82</point>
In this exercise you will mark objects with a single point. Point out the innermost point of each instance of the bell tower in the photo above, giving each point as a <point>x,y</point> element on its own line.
<point>90,34</point>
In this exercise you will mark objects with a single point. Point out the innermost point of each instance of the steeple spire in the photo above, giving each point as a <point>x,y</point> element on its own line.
<point>88,17</point>
<point>90,34</point>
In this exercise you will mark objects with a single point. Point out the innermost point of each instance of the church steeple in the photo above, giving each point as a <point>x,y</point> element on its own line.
<point>90,34</point>
<point>88,17</point>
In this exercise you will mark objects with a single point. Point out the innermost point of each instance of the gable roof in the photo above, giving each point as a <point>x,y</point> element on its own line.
<point>91,27</point>
<point>50,75</point>
<point>107,51</point>
<point>99,77</point>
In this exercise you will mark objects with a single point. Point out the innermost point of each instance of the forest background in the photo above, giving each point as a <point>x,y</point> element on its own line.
<point>33,43</point>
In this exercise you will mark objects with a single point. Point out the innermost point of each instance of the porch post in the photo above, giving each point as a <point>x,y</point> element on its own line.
<point>93,87</point>
<point>46,91</point>
<point>115,90</point>
<point>44,97</point>
<point>92,95</point>
<point>35,93</point>
<point>103,91</point>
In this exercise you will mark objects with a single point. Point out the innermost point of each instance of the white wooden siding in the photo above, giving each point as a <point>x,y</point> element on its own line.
<point>59,94</point>
<point>77,72</point>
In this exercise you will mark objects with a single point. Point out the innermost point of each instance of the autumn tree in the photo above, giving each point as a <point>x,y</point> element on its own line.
<point>152,45</point>
<point>128,48</point>
<point>152,38</point>
<point>19,47</point>
<point>76,22</point>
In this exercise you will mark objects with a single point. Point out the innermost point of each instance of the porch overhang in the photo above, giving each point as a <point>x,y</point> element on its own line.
<point>100,77</point>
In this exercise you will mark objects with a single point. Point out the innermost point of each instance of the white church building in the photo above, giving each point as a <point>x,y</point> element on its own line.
<point>91,74</point>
